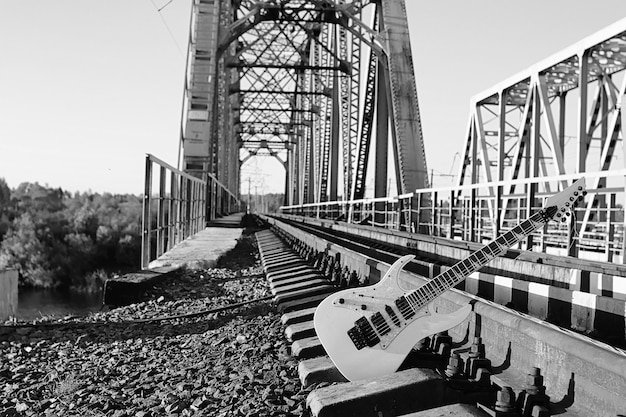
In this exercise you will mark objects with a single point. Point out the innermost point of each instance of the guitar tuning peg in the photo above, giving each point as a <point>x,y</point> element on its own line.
<point>568,213</point>
<point>584,192</point>
<point>581,197</point>
<point>563,218</point>
<point>558,214</point>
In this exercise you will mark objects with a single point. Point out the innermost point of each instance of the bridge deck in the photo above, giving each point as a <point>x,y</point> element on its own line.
<point>202,249</point>
<point>206,246</point>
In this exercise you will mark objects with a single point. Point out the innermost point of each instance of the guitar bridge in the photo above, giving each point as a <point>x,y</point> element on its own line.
<point>357,338</point>
<point>363,334</point>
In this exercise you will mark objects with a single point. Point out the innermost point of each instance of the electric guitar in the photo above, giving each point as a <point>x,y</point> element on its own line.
<point>369,331</point>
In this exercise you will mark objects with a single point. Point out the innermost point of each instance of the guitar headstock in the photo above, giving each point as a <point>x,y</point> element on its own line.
<point>561,205</point>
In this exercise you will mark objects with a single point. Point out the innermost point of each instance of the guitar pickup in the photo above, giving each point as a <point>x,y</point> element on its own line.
<point>405,309</point>
<point>380,323</point>
<point>392,314</point>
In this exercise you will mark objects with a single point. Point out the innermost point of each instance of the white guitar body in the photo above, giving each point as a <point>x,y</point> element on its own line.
<point>338,313</point>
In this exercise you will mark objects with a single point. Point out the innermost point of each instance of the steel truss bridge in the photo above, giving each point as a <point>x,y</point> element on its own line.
<point>310,83</point>
<point>327,87</point>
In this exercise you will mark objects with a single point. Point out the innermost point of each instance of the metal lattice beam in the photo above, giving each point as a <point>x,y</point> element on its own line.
<point>287,78</point>
<point>530,109</point>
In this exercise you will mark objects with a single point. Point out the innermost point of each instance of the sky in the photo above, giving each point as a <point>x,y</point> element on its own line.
<point>88,87</point>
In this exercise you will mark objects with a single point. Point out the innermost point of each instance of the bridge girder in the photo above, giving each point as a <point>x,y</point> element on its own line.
<point>262,68</point>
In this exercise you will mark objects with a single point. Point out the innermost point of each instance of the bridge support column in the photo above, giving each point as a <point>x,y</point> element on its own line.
<point>382,144</point>
<point>334,142</point>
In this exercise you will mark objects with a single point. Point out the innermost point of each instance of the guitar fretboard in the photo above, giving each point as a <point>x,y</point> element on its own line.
<point>462,269</point>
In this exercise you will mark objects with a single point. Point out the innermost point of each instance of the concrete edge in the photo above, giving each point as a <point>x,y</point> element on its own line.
<point>128,288</point>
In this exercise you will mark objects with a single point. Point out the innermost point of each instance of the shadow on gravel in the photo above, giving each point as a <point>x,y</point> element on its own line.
<point>85,333</point>
<point>243,255</point>
<point>190,284</point>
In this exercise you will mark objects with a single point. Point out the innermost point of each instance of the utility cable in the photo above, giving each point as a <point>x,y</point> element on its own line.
<point>180,51</point>
<point>164,6</point>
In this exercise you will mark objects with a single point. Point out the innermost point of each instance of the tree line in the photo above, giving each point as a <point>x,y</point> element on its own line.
<point>56,239</point>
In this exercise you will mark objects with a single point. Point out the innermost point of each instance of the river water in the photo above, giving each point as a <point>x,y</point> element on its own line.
<point>34,303</point>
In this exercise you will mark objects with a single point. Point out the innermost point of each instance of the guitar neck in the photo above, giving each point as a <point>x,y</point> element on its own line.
<point>462,269</point>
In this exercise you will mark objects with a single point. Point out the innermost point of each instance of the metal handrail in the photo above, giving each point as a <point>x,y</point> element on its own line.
<point>179,211</point>
<point>182,207</point>
<point>473,213</point>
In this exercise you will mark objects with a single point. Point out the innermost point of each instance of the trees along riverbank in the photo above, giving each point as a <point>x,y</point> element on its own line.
<point>56,239</point>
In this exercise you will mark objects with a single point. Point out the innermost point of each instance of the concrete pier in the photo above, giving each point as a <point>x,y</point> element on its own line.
<point>8,293</point>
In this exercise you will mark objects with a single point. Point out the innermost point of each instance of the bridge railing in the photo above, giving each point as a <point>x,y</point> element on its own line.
<point>474,213</point>
<point>177,205</point>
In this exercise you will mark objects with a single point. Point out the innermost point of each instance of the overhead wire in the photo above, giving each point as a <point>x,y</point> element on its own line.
<point>167,27</point>
<point>164,6</point>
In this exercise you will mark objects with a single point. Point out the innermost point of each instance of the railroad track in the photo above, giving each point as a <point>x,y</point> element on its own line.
<point>556,294</point>
<point>498,363</point>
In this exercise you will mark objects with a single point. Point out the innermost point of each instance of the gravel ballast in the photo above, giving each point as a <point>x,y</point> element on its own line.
<point>234,362</point>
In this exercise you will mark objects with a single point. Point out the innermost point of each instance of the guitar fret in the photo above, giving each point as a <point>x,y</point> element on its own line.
<point>508,235</point>
<point>412,298</point>
<point>417,300</point>
<point>430,292</point>
<point>531,226</point>
<point>484,260</point>
<point>475,264</point>
<point>441,286</point>
<point>494,249</point>
<point>446,278</point>
<point>454,276</point>
<point>421,293</point>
